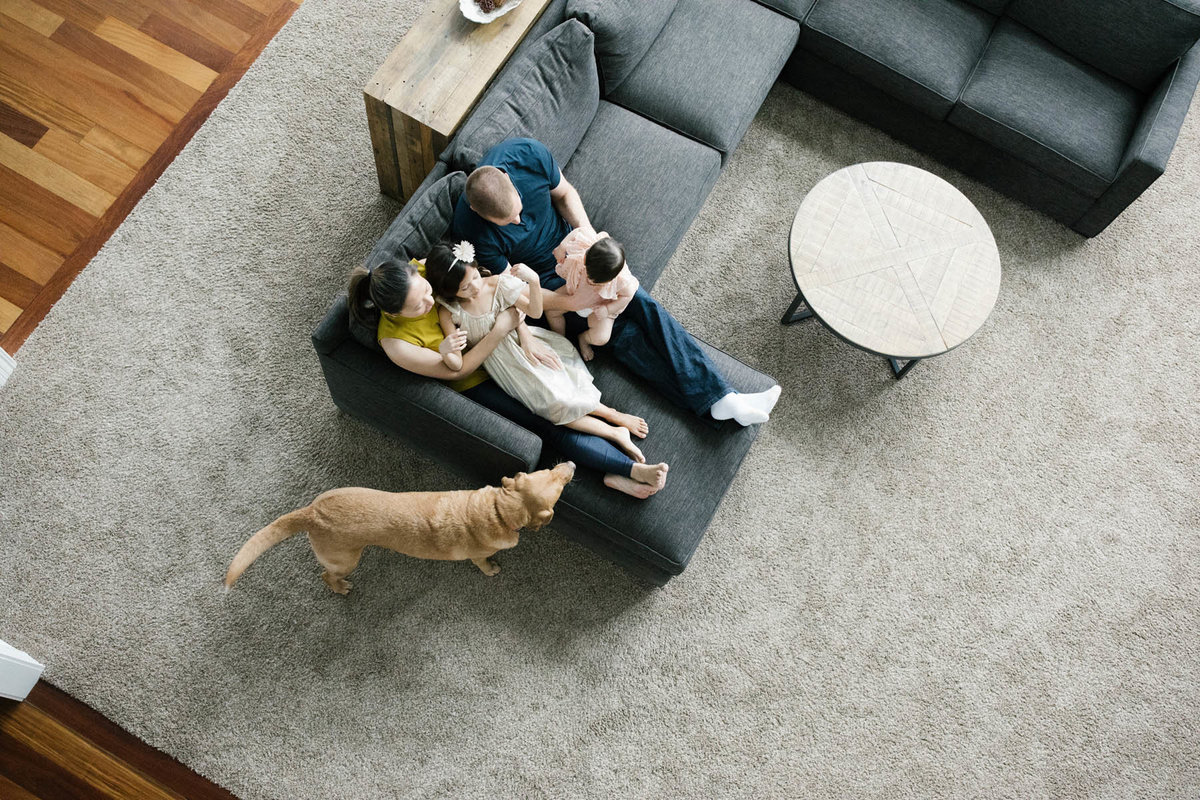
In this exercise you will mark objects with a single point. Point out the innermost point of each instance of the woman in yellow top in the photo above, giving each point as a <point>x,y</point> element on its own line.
<point>395,297</point>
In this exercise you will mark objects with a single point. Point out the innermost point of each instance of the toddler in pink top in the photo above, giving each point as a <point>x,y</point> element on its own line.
<point>598,281</point>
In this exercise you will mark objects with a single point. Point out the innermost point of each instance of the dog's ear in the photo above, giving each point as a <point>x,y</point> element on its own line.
<point>507,482</point>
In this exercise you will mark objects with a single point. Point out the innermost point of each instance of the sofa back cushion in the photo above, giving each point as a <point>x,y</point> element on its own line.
<point>624,30</point>
<point>424,221</point>
<point>1134,41</point>
<point>549,93</point>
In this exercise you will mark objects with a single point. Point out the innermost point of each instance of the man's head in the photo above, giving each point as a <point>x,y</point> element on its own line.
<point>491,195</point>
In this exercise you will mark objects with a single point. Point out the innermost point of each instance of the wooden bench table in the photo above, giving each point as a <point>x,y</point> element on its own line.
<point>428,85</point>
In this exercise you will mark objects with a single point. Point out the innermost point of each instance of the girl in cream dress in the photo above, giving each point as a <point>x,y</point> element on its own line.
<point>538,367</point>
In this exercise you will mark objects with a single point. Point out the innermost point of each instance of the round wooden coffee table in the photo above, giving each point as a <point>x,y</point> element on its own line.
<point>893,260</point>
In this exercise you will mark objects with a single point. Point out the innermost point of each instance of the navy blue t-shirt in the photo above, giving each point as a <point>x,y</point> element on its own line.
<point>534,173</point>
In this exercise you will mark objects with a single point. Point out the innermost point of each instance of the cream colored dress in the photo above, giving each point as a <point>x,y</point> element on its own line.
<point>560,395</point>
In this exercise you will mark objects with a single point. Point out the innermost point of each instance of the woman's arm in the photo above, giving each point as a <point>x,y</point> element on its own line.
<point>424,361</point>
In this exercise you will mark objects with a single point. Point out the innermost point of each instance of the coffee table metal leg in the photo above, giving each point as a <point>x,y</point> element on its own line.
<point>900,371</point>
<point>792,315</point>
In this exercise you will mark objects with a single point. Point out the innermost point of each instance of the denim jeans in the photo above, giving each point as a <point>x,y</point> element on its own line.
<point>582,448</point>
<point>653,345</point>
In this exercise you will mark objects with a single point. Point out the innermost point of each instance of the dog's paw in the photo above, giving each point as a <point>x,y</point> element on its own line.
<point>339,585</point>
<point>486,566</point>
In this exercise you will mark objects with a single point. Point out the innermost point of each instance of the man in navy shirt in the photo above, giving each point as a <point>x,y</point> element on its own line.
<point>518,206</point>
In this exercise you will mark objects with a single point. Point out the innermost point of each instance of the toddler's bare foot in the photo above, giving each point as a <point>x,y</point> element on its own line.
<point>629,486</point>
<point>622,440</point>
<point>586,350</point>
<point>654,475</point>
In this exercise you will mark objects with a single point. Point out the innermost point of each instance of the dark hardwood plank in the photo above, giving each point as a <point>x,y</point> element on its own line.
<point>186,41</point>
<point>77,756</point>
<point>11,791</point>
<point>17,126</point>
<point>42,215</point>
<point>15,287</point>
<point>19,331</point>
<point>124,65</point>
<point>133,751</point>
<point>34,772</point>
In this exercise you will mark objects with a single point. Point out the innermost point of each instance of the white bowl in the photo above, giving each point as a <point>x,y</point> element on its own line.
<point>474,13</point>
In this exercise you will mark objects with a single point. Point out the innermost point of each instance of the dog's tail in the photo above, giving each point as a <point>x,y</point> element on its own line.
<point>285,527</point>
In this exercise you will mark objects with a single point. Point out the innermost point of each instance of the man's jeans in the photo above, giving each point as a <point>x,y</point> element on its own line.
<point>652,344</point>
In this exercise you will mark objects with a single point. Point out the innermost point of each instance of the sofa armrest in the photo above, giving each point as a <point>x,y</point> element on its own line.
<point>1151,144</point>
<point>333,329</point>
<point>446,426</point>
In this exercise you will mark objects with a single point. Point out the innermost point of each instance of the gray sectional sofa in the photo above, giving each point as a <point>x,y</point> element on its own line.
<point>1069,105</point>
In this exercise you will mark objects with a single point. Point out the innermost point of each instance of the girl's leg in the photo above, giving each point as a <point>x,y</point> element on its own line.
<point>635,425</point>
<point>584,449</point>
<point>618,436</point>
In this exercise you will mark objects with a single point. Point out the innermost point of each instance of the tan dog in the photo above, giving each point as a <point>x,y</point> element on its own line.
<point>471,524</point>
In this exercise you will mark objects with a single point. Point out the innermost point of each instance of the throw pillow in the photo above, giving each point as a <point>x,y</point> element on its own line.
<point>550,93</point>
<point>424,221</point>
<point>624,30</point>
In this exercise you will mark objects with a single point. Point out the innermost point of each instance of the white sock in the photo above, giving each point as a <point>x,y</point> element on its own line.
<point>747,409</point>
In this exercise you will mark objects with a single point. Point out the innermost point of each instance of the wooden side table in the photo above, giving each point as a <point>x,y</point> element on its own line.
<point>893,260</point>
<point>428,85</point>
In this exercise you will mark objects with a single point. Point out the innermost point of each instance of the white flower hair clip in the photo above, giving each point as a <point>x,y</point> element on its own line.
<point>464,251</point>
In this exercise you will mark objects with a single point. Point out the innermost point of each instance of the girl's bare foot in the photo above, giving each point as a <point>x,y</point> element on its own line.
<point>629,486</point>
<point>620,437</point>
<point>654,475</point>
<point>586,350</point>
<point>635,425</point>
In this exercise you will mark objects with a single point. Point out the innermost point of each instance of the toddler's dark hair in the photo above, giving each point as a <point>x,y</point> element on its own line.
<point>604,260</point>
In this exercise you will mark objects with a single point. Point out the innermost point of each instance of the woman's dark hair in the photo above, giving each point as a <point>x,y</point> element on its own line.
<point>604,260</point>
<point>383,288</point>
<point>445,273</point>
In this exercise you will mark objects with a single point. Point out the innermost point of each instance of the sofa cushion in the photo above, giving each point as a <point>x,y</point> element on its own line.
<point>796,9</point>
<point>624,31</point>
<point>665,529</point>
<point>1133,40</point>
<point>549,93</point>
<point>422,222</point>
<point>918,51</point>
<point>646,201</point>
<point>993,6</point>
<point>1031,99</point>
<point>707,73</point>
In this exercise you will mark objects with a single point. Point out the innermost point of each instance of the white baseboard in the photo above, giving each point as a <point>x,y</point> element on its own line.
<point>7,365</point>
<point>18,672</point>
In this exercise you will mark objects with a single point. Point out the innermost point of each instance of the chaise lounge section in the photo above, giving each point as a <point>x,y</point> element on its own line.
<point>1071,106</point>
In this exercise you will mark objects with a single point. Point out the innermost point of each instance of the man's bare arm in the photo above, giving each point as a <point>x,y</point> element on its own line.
<point>568,203</point>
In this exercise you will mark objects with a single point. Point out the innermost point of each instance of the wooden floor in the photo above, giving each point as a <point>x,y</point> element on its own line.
<point>53,747</point>
<point>96,99</point>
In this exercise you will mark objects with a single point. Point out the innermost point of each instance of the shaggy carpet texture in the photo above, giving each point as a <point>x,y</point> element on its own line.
<point>981,581</point>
